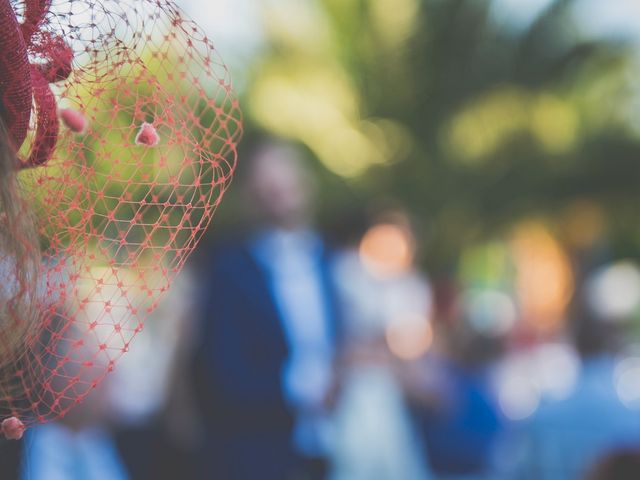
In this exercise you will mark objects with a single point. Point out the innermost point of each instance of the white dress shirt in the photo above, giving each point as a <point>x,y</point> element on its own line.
<point>292,260</point>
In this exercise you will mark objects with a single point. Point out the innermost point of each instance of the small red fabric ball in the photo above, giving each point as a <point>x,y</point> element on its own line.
<point>12,428</point>
<point>148,135</point>
<point>74,120</point>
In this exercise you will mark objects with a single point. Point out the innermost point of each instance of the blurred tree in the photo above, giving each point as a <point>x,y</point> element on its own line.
<point>438,106</point>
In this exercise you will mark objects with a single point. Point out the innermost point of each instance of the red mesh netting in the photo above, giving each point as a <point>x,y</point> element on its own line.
<point>111,199</point>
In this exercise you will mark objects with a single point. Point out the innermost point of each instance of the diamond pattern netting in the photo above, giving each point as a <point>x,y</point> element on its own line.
<point>95,230</point>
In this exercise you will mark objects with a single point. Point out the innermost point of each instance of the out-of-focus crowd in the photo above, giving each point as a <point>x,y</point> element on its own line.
<point>282,354</point>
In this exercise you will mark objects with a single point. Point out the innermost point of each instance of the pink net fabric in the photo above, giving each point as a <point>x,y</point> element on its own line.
<point>145,149</point>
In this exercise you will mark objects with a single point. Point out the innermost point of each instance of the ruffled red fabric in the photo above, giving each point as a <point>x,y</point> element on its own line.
<point>16,92</point>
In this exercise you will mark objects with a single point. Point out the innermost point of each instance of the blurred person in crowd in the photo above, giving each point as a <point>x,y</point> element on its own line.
<point>564,437</point>
<point>268,328</point>
<point>154,422</point>
<point>452,399</point>
<point>387,313</point>
<point>80,445</point>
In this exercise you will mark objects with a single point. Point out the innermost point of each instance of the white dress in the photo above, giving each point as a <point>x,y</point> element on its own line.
<point>374,438</point>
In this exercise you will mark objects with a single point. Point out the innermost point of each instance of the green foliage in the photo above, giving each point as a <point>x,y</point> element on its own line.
<point>476,126</point>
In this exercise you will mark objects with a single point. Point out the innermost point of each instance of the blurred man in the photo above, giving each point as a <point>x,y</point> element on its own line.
<point>268,329</point>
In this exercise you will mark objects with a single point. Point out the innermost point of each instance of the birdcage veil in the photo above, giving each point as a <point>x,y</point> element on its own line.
<point>123,127</point>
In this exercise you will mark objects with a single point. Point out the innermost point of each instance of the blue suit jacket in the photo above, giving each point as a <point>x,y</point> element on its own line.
<point>238,364</point>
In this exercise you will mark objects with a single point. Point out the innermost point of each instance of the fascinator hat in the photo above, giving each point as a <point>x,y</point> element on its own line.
<point>122,128</point>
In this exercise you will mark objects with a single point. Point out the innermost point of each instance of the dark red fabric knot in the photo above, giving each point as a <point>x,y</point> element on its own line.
<point>60,58</point>
<point>15,77</point>
<point>22,84</point>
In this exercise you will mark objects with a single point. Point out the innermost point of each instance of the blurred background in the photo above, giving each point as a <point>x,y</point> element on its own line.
<point>471,167</point>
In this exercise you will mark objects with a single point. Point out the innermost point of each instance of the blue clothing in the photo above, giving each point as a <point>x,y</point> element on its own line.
<point>461,435</point>
<point>565,438</point>
<point>242,354</point>
<point>57,453</point>
<point>293,261</point>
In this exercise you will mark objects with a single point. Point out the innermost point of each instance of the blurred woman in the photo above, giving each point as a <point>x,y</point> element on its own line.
<point>386,307</point>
